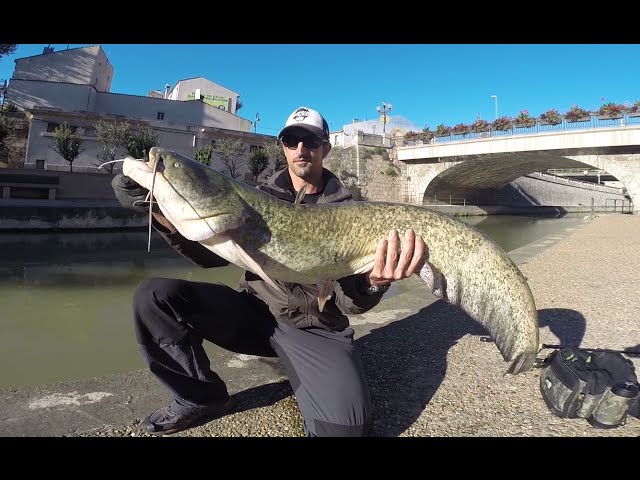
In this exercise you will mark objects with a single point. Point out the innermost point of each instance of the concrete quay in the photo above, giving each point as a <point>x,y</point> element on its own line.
<point>429,373</point>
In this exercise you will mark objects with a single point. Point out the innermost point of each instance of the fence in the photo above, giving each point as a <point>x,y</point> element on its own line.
<point>613,204</point>
<point>593,122</point>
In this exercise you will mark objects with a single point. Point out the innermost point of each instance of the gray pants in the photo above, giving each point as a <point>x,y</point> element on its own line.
<point>172,317</point>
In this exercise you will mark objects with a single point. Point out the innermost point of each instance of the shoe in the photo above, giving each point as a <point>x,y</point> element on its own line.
<point>165,421</point>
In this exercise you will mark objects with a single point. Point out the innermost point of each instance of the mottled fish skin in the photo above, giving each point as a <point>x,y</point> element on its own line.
<point>311,243</point>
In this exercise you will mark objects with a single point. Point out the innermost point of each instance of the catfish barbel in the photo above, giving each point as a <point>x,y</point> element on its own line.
<point>320,243</point>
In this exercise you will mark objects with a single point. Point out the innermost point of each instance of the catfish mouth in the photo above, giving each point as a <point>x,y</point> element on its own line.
<point>173,201</point>
<point>156,163</point>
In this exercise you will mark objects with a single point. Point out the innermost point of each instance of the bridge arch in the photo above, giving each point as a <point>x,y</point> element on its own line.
<point>494,161</point>
<point>487,175</point>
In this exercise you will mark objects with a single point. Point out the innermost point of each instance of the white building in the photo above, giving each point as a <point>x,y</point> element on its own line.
<point>395,127</point>
<point>73,86</point>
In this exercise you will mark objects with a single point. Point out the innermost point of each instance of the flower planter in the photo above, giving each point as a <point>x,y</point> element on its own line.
<point>524,125</point>
<point>609,117</point>
<point>577,120</point>
<point>633,114</point>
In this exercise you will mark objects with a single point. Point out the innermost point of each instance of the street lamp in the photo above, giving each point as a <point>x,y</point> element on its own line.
<point>386,108</point>
<point>495,97</point>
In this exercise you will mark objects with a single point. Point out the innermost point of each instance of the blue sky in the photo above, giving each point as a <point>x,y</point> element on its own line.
<point>427,84</point>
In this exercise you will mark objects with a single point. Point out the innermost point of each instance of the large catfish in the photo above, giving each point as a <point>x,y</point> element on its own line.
<point>317,244</point>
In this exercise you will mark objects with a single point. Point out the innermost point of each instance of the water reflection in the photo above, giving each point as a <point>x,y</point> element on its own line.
<point>66,297</point>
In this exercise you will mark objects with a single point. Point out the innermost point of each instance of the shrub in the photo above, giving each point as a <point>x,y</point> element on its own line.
<point>524,119</point>
<point>480,126</point>
<point>460,129</point>
<point>576,113</point>
<point>443,130</point>
<point>612,109</point>
<point>503,124</point>
<point>551,116</point>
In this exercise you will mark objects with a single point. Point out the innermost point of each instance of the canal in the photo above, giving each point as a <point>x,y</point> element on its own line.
<point>66,297</point>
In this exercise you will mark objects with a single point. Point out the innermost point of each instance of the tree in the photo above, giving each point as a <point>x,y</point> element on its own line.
<point>239,105</point>
<point>139,142</point>
<point>112,136</point>
<point>67,143</point>
<point>8,127</point>
<point>258,162</point>
<point>275,153</point>
<point>7,48</point>
<point>203,154</point>
<point>231,153</point>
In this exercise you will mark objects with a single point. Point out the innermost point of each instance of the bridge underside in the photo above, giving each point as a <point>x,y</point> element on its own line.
<point>483,179</point>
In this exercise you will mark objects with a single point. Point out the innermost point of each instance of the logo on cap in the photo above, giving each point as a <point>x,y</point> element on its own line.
<point>300,115</point>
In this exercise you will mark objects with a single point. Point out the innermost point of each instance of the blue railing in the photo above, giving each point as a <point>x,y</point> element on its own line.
<point>593,122</point>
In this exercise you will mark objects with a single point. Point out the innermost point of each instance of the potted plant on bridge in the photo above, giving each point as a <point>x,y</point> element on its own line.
<point>577,114</point>
<point>634,110</point>
<point>524,120</point>
<point>460,129</point>
<point>550,117</point>
<point>442,130</point>
<point>502,124</point>
<point>427,134</point>
<point>611,111</point>
<point>480,126</point>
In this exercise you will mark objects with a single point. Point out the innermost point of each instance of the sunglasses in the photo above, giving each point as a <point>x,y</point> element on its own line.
<point>292,141</point>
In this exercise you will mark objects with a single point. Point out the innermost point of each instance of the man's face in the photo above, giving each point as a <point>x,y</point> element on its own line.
<point>304,152</point>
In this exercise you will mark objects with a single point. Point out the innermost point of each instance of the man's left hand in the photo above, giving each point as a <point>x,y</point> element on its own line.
<point>394,262</point>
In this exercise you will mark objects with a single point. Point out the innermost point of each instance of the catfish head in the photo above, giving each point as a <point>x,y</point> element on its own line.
<point>198,200</point>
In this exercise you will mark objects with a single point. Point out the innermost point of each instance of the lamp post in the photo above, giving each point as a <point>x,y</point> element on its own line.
<point>495,97</point>
<point>386,108</point>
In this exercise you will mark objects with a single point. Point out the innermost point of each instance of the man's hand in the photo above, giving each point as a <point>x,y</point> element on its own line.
<point>132,195</point>
<point>129,193</point>
<point>394,263</point>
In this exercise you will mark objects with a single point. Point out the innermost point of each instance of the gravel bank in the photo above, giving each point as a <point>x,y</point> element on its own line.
<point>430,375</point>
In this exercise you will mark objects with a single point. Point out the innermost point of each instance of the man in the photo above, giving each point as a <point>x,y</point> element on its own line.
<point>172,317</point>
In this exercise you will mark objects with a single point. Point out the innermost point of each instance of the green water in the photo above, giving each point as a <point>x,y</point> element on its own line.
<point>66,298</point>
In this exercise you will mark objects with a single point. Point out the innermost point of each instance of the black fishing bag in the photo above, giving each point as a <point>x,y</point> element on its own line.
<point>600,387</point>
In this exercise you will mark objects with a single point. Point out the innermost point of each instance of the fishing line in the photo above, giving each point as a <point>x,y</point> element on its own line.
<point>153,182</point>
<point>112,161</point>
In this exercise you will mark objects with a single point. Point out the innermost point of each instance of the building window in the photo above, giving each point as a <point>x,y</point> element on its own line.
<point>40,164</point>
<point>51,127</point>
<point>213,143</point>
<point>253,148</point>
<point>160,115</point>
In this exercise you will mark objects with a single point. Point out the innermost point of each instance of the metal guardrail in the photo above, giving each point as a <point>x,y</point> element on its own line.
<point>578,183</point>
<point>594,122</point>
<point>576,171</point>
<point>614,204</point>
<point>445,200</point>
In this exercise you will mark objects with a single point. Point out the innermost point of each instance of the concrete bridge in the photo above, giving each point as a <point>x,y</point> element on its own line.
<point>482,166</point>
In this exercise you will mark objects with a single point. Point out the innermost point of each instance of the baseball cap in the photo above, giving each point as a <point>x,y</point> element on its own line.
<point>304,117</point>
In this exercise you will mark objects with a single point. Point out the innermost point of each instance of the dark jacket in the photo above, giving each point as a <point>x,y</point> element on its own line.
<point>291,303</point>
